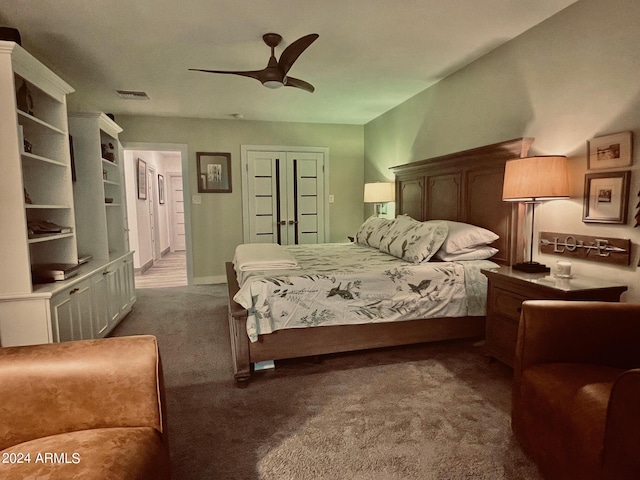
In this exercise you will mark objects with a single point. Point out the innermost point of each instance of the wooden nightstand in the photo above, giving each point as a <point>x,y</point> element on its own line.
<point>507,290</point>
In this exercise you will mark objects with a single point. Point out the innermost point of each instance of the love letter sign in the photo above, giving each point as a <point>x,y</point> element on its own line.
<point>585,247</point>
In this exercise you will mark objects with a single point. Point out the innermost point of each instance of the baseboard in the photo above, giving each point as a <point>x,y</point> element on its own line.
<point>214,280</point>
<point>144,267</point>
<point>164,252</point>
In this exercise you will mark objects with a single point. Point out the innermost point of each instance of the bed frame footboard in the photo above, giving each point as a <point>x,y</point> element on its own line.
<point>238,332</point>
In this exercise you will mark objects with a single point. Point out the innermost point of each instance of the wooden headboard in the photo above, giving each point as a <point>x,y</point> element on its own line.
<point>466,187</point>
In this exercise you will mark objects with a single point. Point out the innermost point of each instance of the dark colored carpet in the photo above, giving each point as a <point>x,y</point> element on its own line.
<point>436,411</point>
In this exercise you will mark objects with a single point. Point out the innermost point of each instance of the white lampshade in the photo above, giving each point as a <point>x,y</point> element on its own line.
<point>379,192</point>
<point>536,178</point>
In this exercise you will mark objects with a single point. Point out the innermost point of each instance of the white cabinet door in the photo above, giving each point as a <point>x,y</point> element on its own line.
<point>129,286</point>
<point>113,294</point>
<point>72,313</point>
<point>125,291</point>
<point>100,304</point>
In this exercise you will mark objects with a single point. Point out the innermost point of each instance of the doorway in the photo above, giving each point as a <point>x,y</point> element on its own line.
<point>159,225</point>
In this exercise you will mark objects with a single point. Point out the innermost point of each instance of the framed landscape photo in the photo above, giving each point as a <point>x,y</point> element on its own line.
<point>214,172</point>
<point>606,197</point>
<point>610,151</point>
<point>142,179</point>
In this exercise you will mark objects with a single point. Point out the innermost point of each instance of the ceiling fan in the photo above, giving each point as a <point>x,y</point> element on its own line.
<point>274,75</point>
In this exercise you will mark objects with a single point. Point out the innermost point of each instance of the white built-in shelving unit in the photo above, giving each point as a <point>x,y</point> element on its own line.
<point>99,194</point>
<point>44,173</point>
<point>37,185</point>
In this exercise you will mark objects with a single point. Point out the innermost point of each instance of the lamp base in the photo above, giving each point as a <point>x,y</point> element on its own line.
<point>531,267</point>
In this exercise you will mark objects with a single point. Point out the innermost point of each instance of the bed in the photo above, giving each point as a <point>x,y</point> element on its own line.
<point>460,187</point>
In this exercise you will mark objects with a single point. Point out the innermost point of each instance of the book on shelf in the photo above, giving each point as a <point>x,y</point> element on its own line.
<point>50,272</point>
<point>43,227</point>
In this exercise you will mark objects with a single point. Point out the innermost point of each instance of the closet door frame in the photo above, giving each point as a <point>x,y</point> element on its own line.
<point>244,158</point>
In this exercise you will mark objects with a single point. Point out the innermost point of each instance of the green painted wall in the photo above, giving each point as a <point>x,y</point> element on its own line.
<point>569,79</point>
<point>217,222</point>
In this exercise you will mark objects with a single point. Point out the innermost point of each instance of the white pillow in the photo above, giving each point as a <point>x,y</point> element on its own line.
<point>481,253</point>
<point>463,236</point>
<point>372,231</point>
<point>412,240</point>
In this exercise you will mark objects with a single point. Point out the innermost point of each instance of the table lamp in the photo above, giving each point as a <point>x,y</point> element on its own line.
<point>379,193</point>
<point>532,180</point>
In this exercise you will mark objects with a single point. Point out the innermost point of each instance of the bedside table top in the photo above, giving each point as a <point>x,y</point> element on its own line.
<point>576,283</point>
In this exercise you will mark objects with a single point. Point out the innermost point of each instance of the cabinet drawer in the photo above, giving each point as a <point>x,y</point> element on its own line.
<point>506,303</point>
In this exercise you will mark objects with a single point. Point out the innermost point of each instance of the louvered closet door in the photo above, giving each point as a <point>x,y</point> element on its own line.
<point>285,198</point>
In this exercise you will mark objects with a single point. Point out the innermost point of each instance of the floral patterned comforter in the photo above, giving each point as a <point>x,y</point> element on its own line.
<point>339,284</point>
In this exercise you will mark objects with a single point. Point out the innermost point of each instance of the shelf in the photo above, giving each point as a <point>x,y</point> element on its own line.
<point>111,182</point>
<point>109,162</point>
<point>40,127</point>
<point>31,156</point>
<point>48,238</point>
<point>47,207</point>
<point>112,205</point>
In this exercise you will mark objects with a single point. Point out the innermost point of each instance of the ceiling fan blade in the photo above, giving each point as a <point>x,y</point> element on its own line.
<point>257,74</point>
<point>297,83</point>
<point>293,51</point>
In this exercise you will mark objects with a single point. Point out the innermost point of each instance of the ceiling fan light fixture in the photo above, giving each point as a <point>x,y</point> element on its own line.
<point>273,84</point>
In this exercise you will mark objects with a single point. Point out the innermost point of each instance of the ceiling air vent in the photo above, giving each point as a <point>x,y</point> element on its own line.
<point>132,95</point>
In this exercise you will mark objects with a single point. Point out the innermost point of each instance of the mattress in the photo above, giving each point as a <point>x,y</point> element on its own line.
<point>339,284</point>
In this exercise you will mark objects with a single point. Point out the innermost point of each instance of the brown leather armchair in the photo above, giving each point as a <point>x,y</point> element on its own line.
<point>86,409</point>
<point>576,390</point>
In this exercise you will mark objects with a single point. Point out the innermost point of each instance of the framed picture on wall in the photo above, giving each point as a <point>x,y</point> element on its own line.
<point>161,189</point>
<point>606,197</point>
<point>142,179</point>
<point>214,172</point>
<point>610,151</point>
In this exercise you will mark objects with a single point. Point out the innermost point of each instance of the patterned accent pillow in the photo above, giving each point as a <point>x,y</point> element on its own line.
<point>372,231</point>
<point>414,241</point>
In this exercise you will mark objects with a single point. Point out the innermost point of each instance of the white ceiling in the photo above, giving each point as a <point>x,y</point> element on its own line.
<point>371,54</point>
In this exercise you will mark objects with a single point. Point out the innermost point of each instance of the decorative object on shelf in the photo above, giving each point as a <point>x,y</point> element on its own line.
<point>380,193</point>
<point>214,172</point>
<point>142,179</point>
<point>107,151</point>
<point>638,212</point>
<point>161,189</point>
<point>606,197</point>
<point>27,146</point>
<point>24,100</point>
<point>585,247</point>
<point>27,198</point>
<point>532,180</point>
<point>10,35</point>
<point>108,200</point>
<point>104,174</point>
<point>610,151</point>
